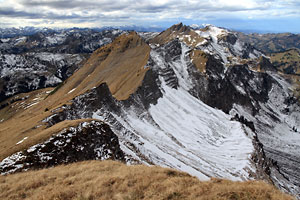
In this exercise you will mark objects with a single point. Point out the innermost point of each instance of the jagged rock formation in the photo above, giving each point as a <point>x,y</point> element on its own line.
<point>201,101</point>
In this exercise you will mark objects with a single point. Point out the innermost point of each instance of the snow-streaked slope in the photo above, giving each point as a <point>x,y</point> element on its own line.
<point>278,128</point>
<point>182,132</point>
<point>225,45</point>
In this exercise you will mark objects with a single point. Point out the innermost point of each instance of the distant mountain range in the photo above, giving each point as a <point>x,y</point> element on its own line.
<point>272,42</point>
<point>27,31</point>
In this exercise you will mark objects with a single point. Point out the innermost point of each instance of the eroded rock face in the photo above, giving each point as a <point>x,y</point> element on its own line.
<point>87,141</point>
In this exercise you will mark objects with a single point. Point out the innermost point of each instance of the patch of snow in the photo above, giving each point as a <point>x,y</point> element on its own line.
<point>30,105</point>
<point>52,80</point>
<point>195,26</point>
<point>240,89</point>
<point>203,42</point>
<point>25,138</point>
<point>71,90</point>
<point>11,160</point>
<point>5,40</point>
<point>56,39</point>
<point>20,40</point>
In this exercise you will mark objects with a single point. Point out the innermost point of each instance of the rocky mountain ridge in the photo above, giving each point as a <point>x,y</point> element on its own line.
<point>201,101</point>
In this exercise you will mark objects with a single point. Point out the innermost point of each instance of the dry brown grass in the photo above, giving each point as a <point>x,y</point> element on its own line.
<point>286,59</point>
<point>199,59</point>
<point>113,180</point>
<point>21,102</point>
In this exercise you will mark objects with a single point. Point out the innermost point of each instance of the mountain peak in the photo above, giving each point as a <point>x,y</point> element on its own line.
<point>175,31</point>
<point>179,28</point>
<point>119,64</point>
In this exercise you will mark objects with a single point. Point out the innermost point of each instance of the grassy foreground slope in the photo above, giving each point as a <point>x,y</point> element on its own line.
<point>114,180</point>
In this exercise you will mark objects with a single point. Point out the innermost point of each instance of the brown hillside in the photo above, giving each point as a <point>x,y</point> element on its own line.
<point>199,59</point>
<point>119,64</point>
<point>114,180</point>
<point>287,61</point>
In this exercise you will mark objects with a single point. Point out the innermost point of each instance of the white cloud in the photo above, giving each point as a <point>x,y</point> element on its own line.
<point>120,12</point>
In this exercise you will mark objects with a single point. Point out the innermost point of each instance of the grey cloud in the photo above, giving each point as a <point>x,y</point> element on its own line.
<point>77,4</point>
<point>152,9</point>
<point>9,12</point>
<point>130,5</point>
<point>122,10</point>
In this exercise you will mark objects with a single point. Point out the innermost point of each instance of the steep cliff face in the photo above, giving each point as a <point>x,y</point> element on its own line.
<point>200,101</point>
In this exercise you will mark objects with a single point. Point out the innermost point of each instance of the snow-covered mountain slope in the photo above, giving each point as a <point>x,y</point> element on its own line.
<point>225,45</point>
<point>165,124</point>
<point>212,40</point>
<point>22,31</point>
<point>201,105</point>
<point>181,132</point>
<point>277,127</point>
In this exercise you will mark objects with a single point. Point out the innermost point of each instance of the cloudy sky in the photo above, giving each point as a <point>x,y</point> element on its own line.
<point>258,15</point>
